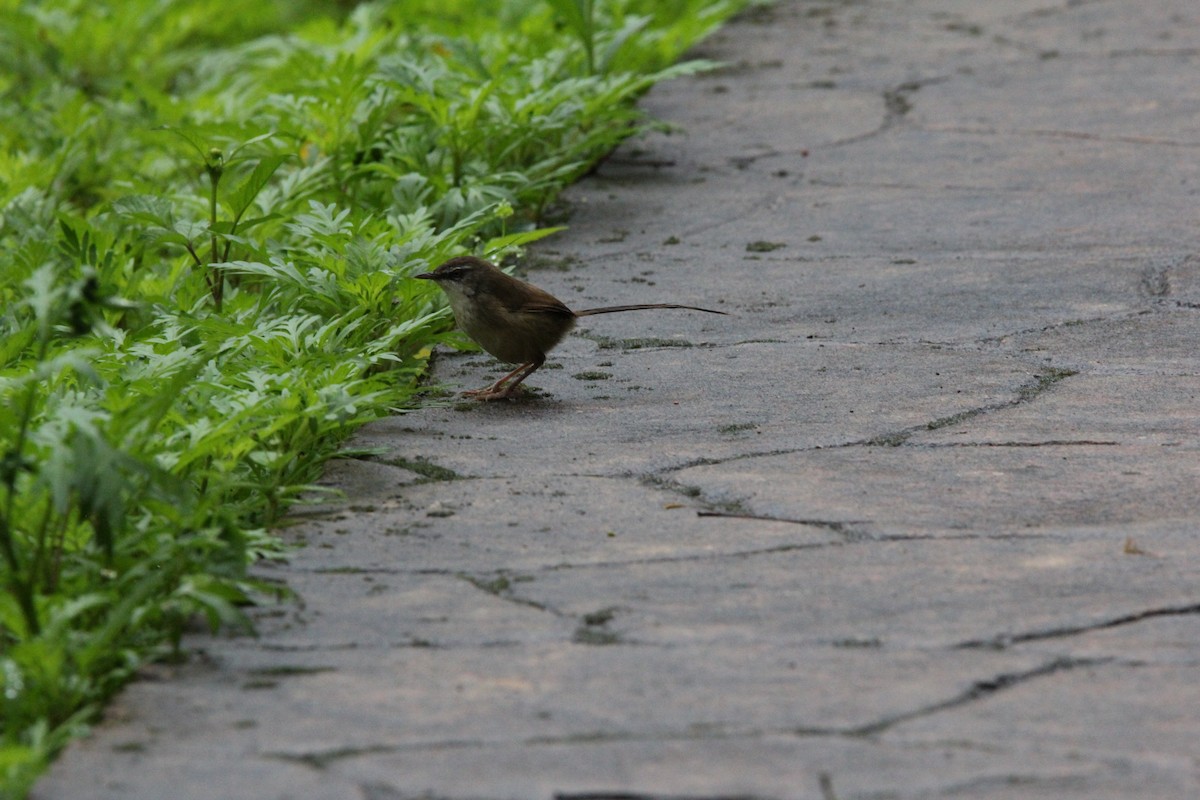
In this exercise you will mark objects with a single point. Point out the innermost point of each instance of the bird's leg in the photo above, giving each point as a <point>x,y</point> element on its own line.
<point>498,390</point>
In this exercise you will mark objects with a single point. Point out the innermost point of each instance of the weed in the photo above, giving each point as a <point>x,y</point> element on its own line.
<point>606,343</point>
<point>425,468</point>
<point>592,375</point>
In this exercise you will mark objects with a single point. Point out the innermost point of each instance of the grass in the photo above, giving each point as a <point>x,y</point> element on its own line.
<point>207,220</point>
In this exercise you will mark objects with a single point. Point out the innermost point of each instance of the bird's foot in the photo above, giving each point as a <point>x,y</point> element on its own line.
<point>508,386</point>
<point>493,393</point>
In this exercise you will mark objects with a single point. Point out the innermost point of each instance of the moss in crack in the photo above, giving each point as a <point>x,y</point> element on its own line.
<point>428,471</point>
<point>601,617</point>
<point>501,585</point>
<point>896,100</point>
<point>561,263</point>
<point>592,636</point>
<point>605,343</point>
<point>1026,392</point>
<point>732,507</point>
<point>1043,381</point>
<point>496,586</point>
<point>953,419</point>
<point>289,670</point>
<point>894,439</point>
<point>855,642</point>
<point>593,630</point>
<point>617,236</point>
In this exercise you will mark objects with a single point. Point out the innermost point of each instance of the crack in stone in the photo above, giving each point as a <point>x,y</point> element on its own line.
<point>1155,52</point>
<point>825,783</point>
<point>1044,443</point>
<point>1068,323</point>
<point>1026,392</point>
<point>501,587</point>
<point>1004,641</point>
<point>846,528</point>
<point>1156,281</point>
<point>484,585</point>
<point>986,785</point>
<point>852,534</point>
<point>896,106</point>
<point>322,759</point>
<point>979,690</point>
<point>1051,133</point>
<point>383,791</point>
<point>741,554</point>
<point>643,796</point>
<point>1045,378</point>
<point>407,644</point>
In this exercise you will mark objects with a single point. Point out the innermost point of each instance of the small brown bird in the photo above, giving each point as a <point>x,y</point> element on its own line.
<point>513,320</point>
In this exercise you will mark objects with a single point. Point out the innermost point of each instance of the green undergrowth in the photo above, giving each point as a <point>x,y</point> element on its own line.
<point>208,213</point>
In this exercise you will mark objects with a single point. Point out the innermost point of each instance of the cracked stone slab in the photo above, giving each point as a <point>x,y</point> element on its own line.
<point>1000,587</point>
<point>475,526</point>
<point>487,702</point>
<point>1158,636</point>
<point>1086,29</point>
<point>891,195</point>
<point>1153,343</point>
<point>374,611</point>
<point>658,411</point>
<point>697,766</point>
<point>964,488</point>
<point>795,298</point>
<point>492,697</point>
<point>1155,410</point>
<point>917,520</point>
<point>1150,704</point>
<point>771,766</point>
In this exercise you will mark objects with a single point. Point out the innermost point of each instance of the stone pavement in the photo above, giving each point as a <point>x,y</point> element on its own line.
<point>919,521</point>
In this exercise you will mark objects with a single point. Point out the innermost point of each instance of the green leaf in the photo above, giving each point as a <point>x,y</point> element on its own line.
<point>500,244</point>
<point>580,18</point>
<point>243,196</point>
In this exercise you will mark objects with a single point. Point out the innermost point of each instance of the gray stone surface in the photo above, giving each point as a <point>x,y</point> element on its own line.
<point>918,521</point>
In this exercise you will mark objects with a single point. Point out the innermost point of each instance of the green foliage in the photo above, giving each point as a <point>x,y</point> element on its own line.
<point>207,220</point>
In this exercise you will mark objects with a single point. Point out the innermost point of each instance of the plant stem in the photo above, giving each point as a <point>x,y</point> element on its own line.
<point>21,589</point>
<point>587,9</point>
<point>215,166</point>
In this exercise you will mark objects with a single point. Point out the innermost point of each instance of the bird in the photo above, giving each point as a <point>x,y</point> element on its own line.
<point>515,321</point>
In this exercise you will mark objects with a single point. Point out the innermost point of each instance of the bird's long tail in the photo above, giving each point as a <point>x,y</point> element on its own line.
<point>641,307</point>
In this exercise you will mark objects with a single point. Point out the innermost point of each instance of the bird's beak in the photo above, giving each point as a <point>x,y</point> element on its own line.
<point>426,276</point>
